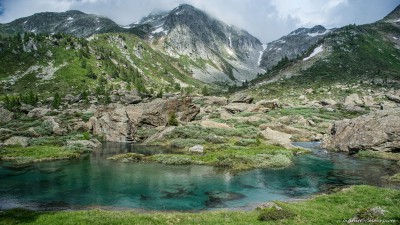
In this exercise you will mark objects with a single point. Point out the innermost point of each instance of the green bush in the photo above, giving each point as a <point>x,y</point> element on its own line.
<point>86,116</point>
<point>44,129</point>
<point>279,160</point>
<point>275,213</point>
<point>85,136</point>
<point>246,142</point>
<point>172,121</point>
<point>185,142</point>
<point>128,156</point>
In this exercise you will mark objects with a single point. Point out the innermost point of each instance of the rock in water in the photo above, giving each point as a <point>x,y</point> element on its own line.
<point>378,131</point>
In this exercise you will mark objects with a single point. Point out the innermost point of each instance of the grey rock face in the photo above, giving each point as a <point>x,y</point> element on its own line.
<point>378,131</point>
<point>187,31</point>
<point>5,115</point>
<point>70,22</point>
<point>291,45</point>
<point>119,123</point>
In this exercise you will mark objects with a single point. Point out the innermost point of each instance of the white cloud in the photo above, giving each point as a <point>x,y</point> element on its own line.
<point>266,19</point>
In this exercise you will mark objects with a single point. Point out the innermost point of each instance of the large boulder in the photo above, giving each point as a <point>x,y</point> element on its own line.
<point>277,138</point>
<point>353,103</point>
<point>118,123</point>
<point>5,115</point>
<point>112,123</point>
<point>54,124</point>
<point>267,105</point>
<point>379,131</point>
<point>38,112</point>
<point>212,100</point>
<point>241,98</point>
<point>17,140</point>
<point>393,98</point>
<point>213,124</point>
<point>234,108</point>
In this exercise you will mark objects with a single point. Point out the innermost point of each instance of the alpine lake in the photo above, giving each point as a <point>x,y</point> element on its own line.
<point>93,181</point>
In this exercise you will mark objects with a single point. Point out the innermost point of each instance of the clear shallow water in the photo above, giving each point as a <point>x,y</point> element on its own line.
<point>96,181</point>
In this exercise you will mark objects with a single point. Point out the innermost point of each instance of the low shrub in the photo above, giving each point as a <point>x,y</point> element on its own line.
<point>86,116</point>
<point>128,157</point>
<point>275,213</point>
<point>182,143</point>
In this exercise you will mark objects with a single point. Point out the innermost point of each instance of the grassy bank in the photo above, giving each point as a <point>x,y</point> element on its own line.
<point>32,154</point>
<point>354,202</point>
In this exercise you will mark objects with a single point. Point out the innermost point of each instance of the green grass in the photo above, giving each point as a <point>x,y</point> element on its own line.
<point>321,210</point>
<point>232,157</point>
<point>36,153</point>
<point>379,155</point>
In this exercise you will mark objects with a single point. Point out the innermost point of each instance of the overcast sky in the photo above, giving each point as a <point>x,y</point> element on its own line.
<point>266,19</point>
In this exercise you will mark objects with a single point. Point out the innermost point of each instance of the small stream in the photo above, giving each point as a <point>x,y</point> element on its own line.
<point>94,181</point>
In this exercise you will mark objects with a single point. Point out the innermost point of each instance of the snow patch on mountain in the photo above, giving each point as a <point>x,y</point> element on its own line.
<point>317,33</point>
<point>316,51</point>
<point>264,46</point>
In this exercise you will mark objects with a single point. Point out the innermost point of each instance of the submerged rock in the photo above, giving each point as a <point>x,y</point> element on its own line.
<point>218,198</point>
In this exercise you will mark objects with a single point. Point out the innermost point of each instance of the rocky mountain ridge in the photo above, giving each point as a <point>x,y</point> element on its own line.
<point>72,22</point>
<point>219,52</point>
<point>291,46</point>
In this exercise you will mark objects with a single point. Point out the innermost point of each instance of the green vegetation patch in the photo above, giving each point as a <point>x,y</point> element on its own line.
<point>128,157</point>
<point>335,208</point>
<point>232,157</point>
<point>37,153</point>
<point>379,155</point>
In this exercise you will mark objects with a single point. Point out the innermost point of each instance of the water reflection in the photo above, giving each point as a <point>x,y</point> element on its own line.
<point>96,181</point>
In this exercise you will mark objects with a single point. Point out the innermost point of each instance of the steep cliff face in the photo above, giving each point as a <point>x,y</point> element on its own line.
<point>292,45</point>
<point>214,51</point>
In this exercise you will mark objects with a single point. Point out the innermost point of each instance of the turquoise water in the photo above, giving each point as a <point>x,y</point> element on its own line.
<point>94,181</point>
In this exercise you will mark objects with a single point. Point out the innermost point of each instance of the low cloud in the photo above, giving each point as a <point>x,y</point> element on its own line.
<point>266,19</point>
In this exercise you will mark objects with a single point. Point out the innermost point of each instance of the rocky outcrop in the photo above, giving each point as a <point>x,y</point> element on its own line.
<point>266,105</point>
<point>54,124</point>
<point>5,115</point>
<point>119,123</point>
<point>17,140</point>
<point>277,138</point>
<point>378,131</point>
<point>353,103</point>
<point>393,98</point>
<point>213,124</point>
<point>88,144</point>
<point>38,112</point>
<point>241,98</point>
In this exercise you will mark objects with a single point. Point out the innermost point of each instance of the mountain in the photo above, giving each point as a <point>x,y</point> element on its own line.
<point>394,15</point>
<point>71,22</point>
<point>291,46</point>
<point>353,59</point>
<point>211,49</point>
<point>66,64</point>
